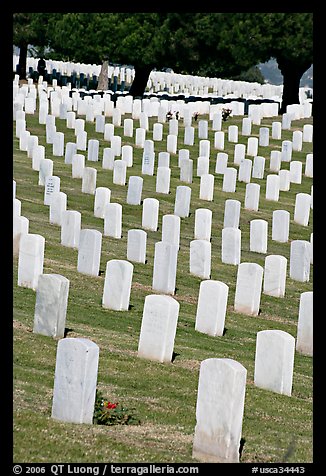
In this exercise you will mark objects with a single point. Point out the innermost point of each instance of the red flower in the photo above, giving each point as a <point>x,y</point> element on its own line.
<point>111,405</point>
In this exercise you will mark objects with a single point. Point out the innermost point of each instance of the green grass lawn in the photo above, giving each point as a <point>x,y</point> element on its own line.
<point>276,428</point>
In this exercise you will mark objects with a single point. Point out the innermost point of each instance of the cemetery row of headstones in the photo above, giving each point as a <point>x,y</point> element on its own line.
<point>217,387</point>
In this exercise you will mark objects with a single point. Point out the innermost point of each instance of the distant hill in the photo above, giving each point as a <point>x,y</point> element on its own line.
<point>273,75</point>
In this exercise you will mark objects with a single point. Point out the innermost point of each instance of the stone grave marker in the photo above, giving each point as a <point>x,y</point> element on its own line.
<point>30,260</point>
<point>165,267</point>
<point>75,380</point>
<point>135,187</point>
<point>70,228</point>
<point>274,361</point>
<point>89,252</point>
<point>113,220</point>
<point>158,328</point>
<point>302,208</point>
<point>182,201</point>
<point>51,305</point>
<point>150,214</point>
<point>117,285</point>
<point>300,260</point>
<point>77,166</point>
<point>230,180</point>
<point>136,246</point>
<point>231,245</point>
<point>89,180</point>
<point>275,275</point>
<point>248,288</point>
<point>304,342</point>
<point>58,205</point>
<point>200,258</point>
<point>171,229</point>
<point>219,411</point>
<point>101,199</point>
<point>211,307</point>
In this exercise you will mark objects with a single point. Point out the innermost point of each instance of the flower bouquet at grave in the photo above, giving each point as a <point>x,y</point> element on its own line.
<point>225,113</point>
<point>109,413</point>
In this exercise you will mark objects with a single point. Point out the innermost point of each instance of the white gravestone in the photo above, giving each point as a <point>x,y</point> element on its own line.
<point>297,141</point>
<point>203,224</point>
<point>248,288</point>
<point>304,342</point>
<point>136,246</point>
<point>231,245</point>
<point>189,135</point>
<point>165,267</point>
<point>171,144</point>
<point>117,285</point>
<point>150,214</point>
<point>252,196</point>
<point>308,171</point>
<point>93,149</point>
<point>127,155</point>
<point>204,148</point>
<point>202,166</point>
<point>300,260</point>
<point>231,213</point>
<point>258,236</point>
<point>158,328</point>
<point>200,258</point>
<point>70,228</point>
<point>20,228</point>
<point>230,180</point>
<point>37,155</point>
<point>30,260</point>
<point>276,130</point>
<point>219,411</point>
<point>46,169</point>
<point>51,186</point>
<point>148,159</point>
<point>89,180</point>
<point>258,167</point>
<point>239,153</point>
<point>202,129</point>
<point>211,307</point>
<point>307,133</point>
<point>206,189</point>
<point>108,159</point>
<point>221,162</point>
<point>77,166</point>
<point>302,208</point>
<point>286,151</point>
<point>275,161</point>
<point>284,180</point>
<point>280,226</point>
<point>186,170</point>
<point>252,146</point>
<point>296,171</point>
<point>116,146</point>
<point>233,133</point>
<point>245,168</point>
<point>219,140</point>
<point>164,159</point>
<point>272,187</point>
<point>140,137</point>
<point>275,275</point>
<point>51,305</point>
<point>163,180</point>
<point>58,146</point>
<point>157,131</point>
<point>128,127</point>
<point>58,205</point>
<point>75,380</point>
<point>135,187</point>
<point>171,229</point>
<point>246,126</point>
<point>182,201</point>
<point>71,150</point>
<point>263,140</point>
<point>274,360</point>
<point>119,172</point>
<point>89,252</point>
<point>102,198</point>
<point>113,220</point>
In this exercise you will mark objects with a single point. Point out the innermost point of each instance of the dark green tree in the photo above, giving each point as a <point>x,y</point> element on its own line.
<point>29,29</point>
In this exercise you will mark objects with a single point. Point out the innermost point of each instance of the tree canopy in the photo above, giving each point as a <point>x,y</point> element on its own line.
<point>211,44</point>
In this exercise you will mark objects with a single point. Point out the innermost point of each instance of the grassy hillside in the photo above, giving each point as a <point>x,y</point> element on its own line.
<point>276,427</point>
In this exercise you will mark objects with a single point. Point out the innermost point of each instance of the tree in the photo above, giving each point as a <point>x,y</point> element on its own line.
<point>28,29</point>
<point>210,44</point>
